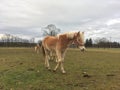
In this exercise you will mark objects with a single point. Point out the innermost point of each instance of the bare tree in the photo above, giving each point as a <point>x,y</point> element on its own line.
<point>32,40</point>
<point>50,30</point>
<point>102,42</point>
<point>7,37</point>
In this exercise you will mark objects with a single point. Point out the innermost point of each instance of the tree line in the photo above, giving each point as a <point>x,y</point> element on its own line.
<point>9,40</point>
<point>101,43</point>
<point>14,41</point>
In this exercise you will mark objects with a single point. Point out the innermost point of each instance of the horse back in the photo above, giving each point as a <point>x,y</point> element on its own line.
<point>50,42</point>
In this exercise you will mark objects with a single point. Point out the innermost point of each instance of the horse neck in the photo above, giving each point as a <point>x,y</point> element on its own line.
<point>66,41</point>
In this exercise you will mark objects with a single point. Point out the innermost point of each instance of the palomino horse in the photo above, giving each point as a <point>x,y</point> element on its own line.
<point>37,48</point>
<point>59,44</point>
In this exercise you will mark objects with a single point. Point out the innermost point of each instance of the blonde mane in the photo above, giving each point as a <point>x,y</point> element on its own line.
<point>70,35</point>
<point>82,35</point>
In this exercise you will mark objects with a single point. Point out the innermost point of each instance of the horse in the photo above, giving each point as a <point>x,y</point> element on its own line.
<point>59,45</point>
<point>37,48</point>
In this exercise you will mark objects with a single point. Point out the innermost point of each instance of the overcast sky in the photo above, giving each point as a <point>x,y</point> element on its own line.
<point>98,18</point>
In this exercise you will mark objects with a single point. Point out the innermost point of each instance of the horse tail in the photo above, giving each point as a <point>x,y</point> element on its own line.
<point>43,50</point>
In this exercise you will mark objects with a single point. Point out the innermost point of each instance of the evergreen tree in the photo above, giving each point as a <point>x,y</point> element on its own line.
<point>89,42</point>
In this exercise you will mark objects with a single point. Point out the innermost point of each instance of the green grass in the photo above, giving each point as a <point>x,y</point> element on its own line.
<point>23,69</point>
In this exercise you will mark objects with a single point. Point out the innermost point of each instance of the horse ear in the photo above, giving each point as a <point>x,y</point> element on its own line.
<point>78,33</point>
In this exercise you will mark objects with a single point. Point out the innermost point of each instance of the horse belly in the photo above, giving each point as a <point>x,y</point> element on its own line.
<point>51,43</point>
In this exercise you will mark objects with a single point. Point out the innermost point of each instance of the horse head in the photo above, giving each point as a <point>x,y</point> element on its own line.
<point>79,40</point>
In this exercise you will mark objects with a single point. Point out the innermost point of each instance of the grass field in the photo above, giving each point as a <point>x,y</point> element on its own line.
<point>23,69</point>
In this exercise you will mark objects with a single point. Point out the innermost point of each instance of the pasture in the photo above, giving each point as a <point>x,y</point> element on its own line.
<point>95,69</point>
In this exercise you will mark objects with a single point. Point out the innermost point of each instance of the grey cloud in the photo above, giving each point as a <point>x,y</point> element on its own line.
<point>28,16</point>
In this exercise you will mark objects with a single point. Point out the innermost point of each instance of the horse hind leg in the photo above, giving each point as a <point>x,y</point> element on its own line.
<point>47,65</point>
<point>55,57</point>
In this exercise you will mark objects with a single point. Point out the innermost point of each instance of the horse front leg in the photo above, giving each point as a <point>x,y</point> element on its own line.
<point>60,62</point>
<point>62,68</point>
<point>58,59</point>
<point>56,67</point>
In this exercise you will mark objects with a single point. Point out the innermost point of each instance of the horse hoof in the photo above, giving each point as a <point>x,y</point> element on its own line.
<point>54,70</point>
<point>63,72</point>
<point>49,69</point>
